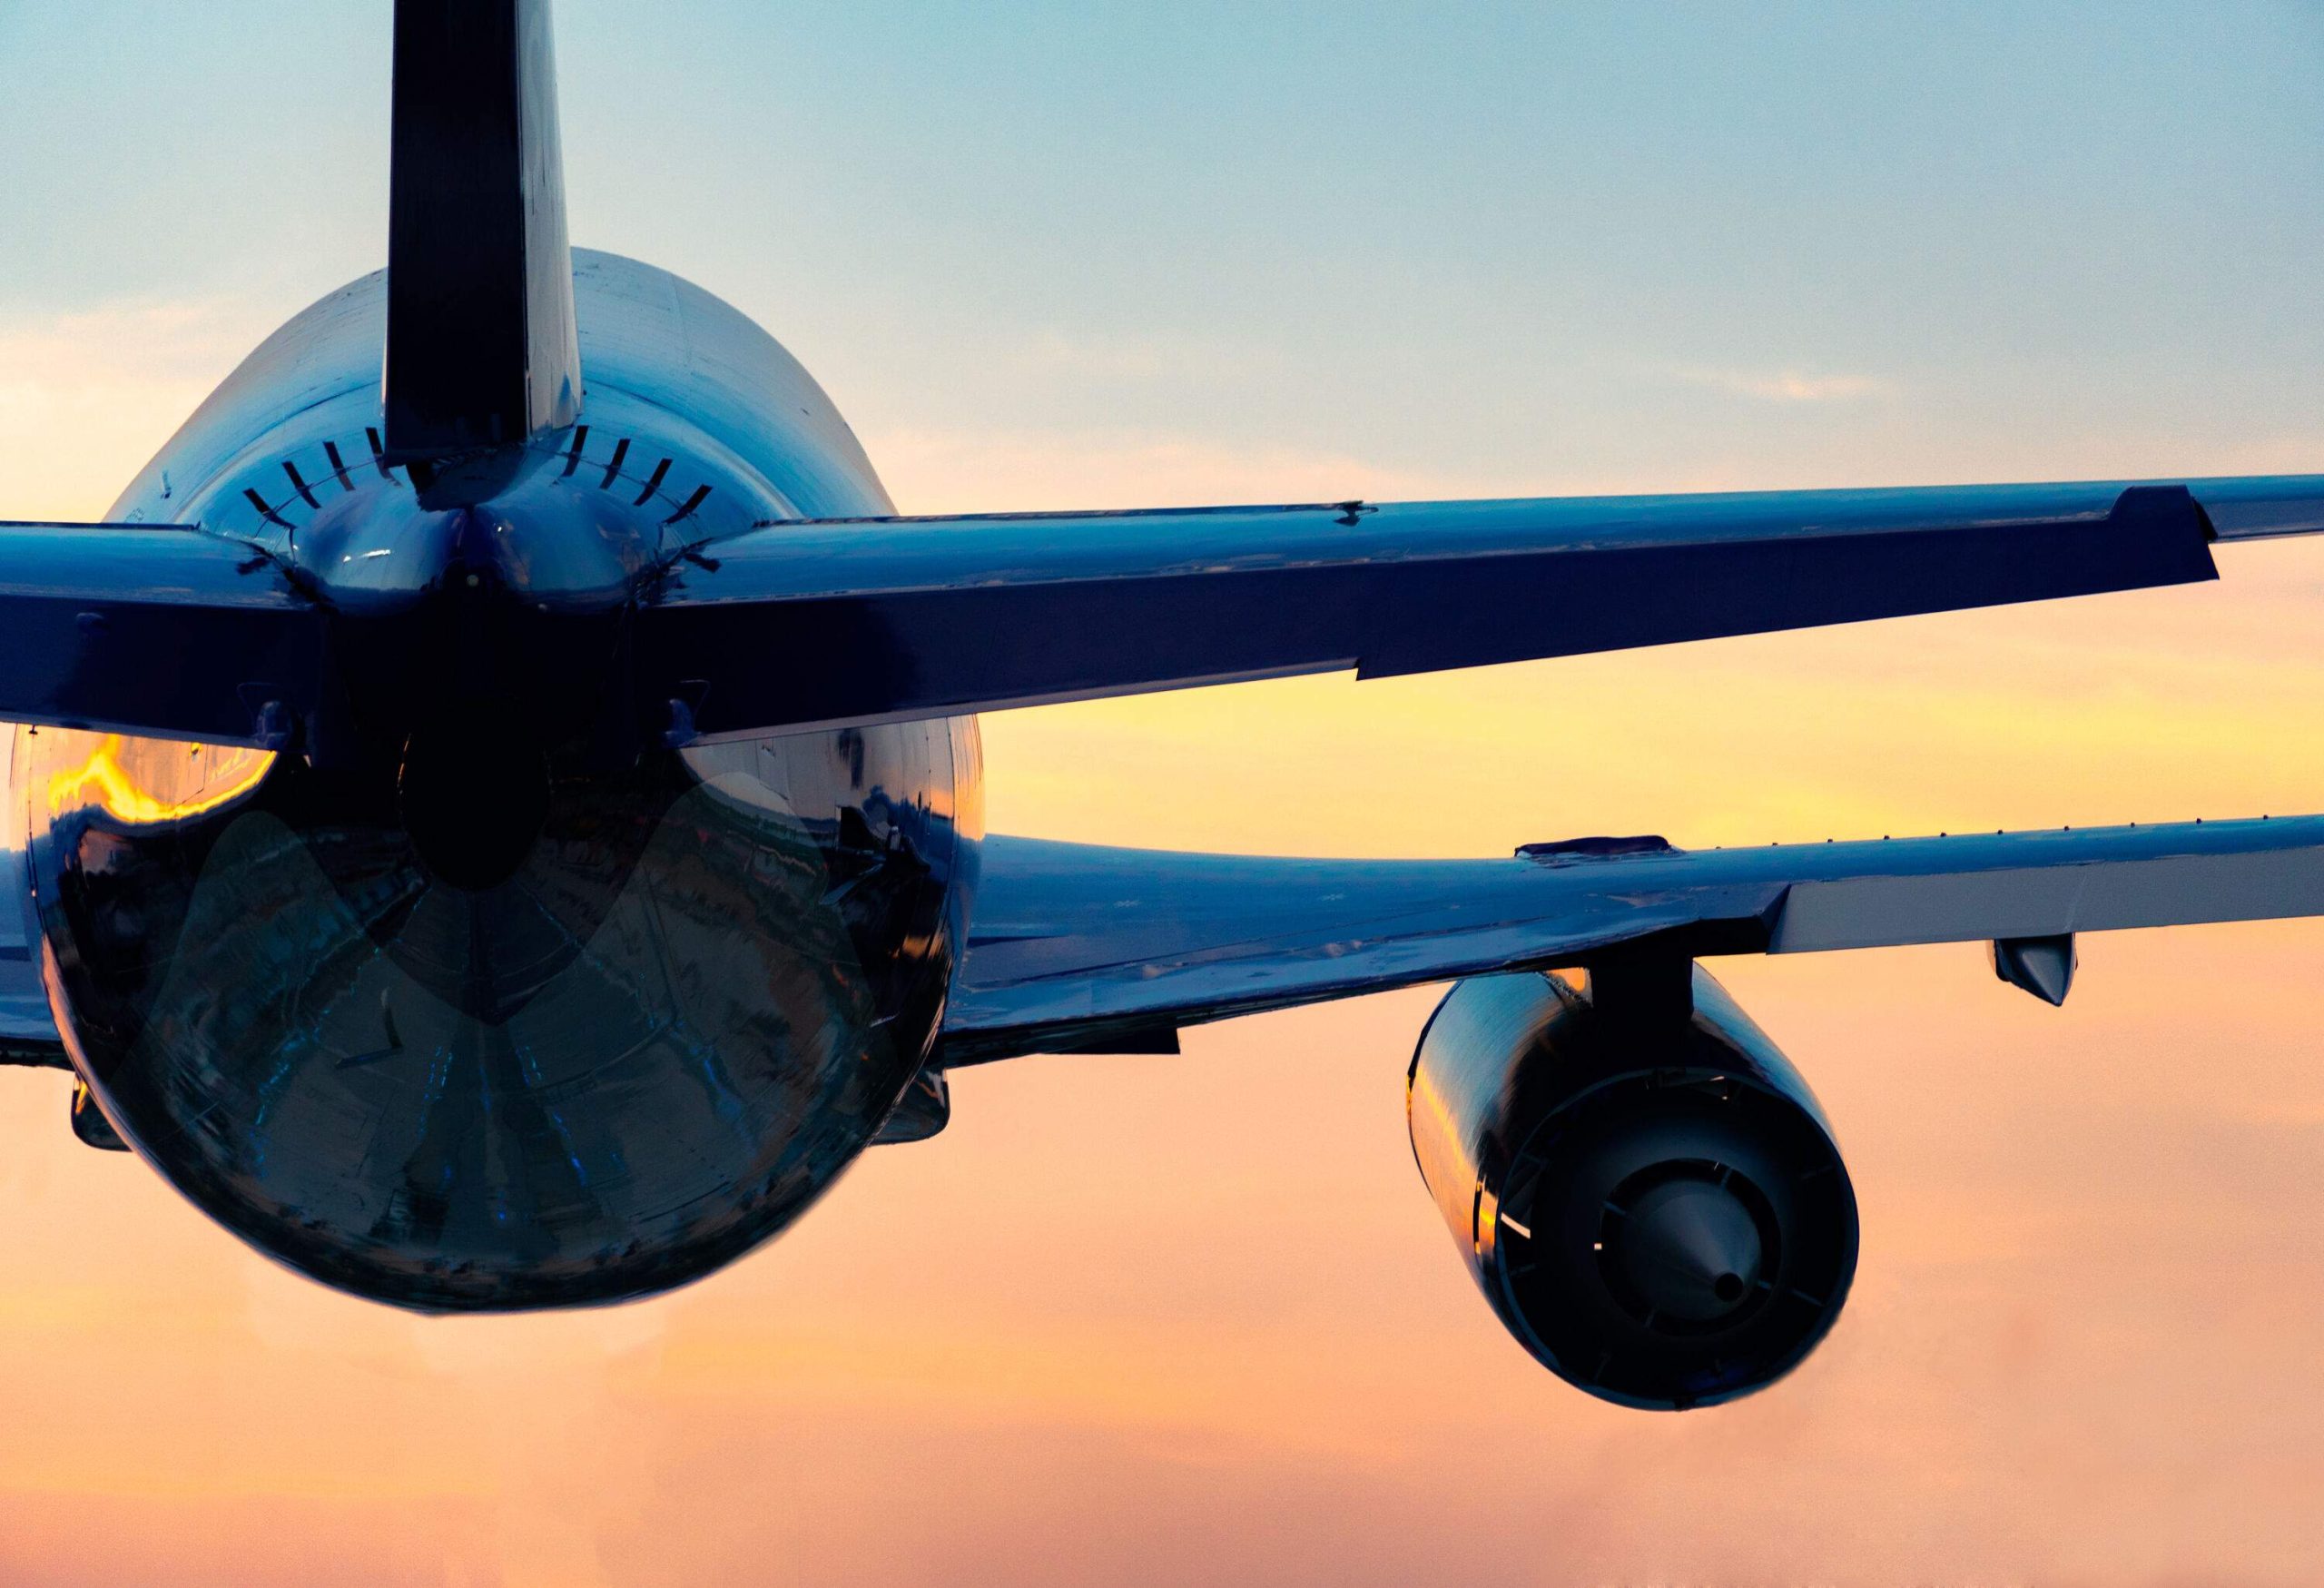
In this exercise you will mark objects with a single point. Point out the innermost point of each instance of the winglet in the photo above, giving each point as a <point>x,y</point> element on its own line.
<point>481,345</point>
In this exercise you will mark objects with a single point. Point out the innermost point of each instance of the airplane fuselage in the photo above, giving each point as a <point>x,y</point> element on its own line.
<point>476,994</point>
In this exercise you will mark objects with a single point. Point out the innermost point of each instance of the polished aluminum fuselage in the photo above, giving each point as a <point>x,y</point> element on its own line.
<point>711,969</point>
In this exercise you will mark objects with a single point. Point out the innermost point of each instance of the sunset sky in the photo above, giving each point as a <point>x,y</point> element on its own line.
<point>1193,1320</point>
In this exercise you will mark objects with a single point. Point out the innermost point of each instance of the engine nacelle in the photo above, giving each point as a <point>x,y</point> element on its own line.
<point>1648,1193</point>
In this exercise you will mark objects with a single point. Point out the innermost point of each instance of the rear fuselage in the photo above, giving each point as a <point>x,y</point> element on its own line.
<point>494,987</point>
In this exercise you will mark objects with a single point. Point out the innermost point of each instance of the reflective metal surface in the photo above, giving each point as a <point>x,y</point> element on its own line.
<point>669,366</point>
<point>976,613</point>
<point>480,994</point>
<point>1640,1183</point>
<point>693,1001</point>
<point>27,1030</point>
<point>1076,944</point>
<point>155,628</point>
<point>481,349</point>
<point>841,620</point>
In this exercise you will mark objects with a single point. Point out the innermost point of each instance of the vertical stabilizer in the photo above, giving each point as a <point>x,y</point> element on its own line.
<point>481,351</point>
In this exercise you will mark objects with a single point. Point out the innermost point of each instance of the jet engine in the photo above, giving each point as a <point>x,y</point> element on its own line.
<point>1642,1184</point>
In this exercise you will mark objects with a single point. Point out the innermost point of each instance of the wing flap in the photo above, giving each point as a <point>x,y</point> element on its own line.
<point>1073,943</point>
<point>2071,895</point>
<point>822,624</point>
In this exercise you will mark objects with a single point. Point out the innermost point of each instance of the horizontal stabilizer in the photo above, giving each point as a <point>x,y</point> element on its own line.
<point>803,625</point>
<point>1074,945</point>
<point>165,632</point>
<point>481,341</point>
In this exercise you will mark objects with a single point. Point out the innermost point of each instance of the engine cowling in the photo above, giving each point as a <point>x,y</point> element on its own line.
<point>1647,1192</point>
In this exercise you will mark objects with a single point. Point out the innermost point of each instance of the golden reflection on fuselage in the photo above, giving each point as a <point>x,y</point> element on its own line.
<point>149,781</point>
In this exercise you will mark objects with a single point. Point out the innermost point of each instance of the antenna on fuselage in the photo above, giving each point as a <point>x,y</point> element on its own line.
<point>481,348</point>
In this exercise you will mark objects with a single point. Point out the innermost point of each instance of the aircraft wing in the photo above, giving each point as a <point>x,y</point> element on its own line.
<point>822,623</point>
<point>1089,948</point>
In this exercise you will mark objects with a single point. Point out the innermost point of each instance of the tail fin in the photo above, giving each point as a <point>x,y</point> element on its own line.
<point>481,348</point>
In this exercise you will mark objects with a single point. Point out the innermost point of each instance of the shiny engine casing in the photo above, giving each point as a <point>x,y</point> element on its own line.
<point>1530,1109</point>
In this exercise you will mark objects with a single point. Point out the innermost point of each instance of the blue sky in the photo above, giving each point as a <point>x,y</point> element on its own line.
<point>1471,249</point>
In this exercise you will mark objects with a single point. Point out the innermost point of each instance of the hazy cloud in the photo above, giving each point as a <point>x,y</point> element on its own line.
<point>944,470</point>
<point>1145,358</point>
<point>1790,384</point>
<point>86,397</point>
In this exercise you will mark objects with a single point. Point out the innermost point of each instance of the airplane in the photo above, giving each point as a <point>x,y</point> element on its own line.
<point>495,813</point>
